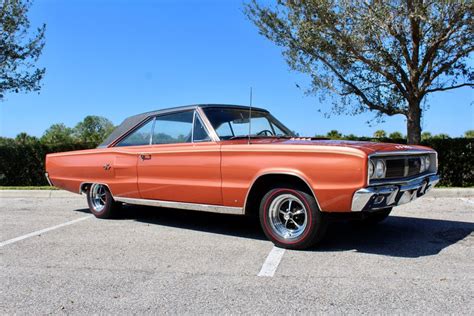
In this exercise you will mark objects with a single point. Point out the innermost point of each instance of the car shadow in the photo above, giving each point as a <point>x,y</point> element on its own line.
<point>397,236</point>
<point>222,224</point>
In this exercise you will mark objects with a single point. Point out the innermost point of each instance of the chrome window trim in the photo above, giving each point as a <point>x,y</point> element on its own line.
<point>183,205</point>
<point>216,137</point>
<point>130,131</point>
<point>192,127</point>
<point>280,125</point>
<point>165,114</point>
<point>196,114</point>
<point>207,124</point>
<point>201,114</point>
<point>152,130</point>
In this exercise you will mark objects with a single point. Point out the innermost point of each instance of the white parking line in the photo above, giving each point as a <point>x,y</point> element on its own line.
<point>467,200</point>
<point>271,263</point>
<point>39,232</point>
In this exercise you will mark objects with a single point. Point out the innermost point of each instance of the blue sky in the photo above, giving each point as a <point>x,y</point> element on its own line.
<point>117,58</point>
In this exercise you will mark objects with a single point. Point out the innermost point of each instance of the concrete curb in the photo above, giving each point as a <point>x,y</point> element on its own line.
<point>37,194</point>
<point>436,193</point>
<point>451,192</point>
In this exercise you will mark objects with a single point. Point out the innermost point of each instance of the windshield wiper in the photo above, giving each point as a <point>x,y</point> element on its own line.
<point>261,136</point>
<point>245,136</point>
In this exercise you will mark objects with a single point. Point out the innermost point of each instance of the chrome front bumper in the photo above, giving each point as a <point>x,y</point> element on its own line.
<point>383,196</point>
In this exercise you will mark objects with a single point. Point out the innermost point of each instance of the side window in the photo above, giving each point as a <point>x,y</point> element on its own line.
<point>173,128</point>
<point>139,137</point>
<point>199,133</point>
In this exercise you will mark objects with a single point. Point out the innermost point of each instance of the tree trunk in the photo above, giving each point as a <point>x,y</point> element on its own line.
<point>414,123</point>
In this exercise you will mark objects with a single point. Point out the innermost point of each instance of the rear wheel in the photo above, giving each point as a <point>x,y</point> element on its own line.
<point>291,218</point>
<point>101,203</point>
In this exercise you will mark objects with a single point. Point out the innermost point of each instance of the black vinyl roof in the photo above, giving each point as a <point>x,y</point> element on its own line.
<point>132,121</point>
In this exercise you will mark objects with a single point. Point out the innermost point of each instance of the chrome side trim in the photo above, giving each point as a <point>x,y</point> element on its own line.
<point>47,178</point>
<point>184,206</point>
<point>283,173</point>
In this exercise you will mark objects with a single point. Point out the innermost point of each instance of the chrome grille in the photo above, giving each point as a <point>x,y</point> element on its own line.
<point>395,168</point>
<point>413,164</point>
<point>403,166</point>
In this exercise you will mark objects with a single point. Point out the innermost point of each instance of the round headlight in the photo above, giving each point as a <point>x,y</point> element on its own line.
<point>380,169</point>
<point>371,169</point>
<point>427,162</point>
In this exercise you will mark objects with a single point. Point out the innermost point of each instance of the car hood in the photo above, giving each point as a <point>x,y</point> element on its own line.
<point>365,146</point>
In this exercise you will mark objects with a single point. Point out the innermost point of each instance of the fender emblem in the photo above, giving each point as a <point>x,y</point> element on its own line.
<point>107,167</point>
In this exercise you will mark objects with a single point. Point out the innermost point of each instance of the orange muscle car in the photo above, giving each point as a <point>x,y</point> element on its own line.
<point>240,160</point>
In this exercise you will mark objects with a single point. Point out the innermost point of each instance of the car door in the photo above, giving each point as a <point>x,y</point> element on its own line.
<point>182,164</point>
<point>124,164</point>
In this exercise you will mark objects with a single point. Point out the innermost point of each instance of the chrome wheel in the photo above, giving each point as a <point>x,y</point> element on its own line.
<point>288,216</point>
<point>98,197</point>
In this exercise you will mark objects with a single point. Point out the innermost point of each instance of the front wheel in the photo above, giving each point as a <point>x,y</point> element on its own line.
<point>291,218</point>
<point>100,201</point>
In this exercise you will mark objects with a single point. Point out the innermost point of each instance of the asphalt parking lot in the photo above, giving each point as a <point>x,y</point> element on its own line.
<point>57,258</point>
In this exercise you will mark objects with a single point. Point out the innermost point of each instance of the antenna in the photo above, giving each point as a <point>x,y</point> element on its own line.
<point>250,116</point>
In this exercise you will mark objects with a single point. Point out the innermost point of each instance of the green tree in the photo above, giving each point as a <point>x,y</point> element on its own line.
<point>351,137</point>
<point>380,134</point>
<point>334,134</point>
<point>426,136</point>
<point>25,139</point>
<point>6,141</point>
<point>396,135</point>
<point>469,133</point>
<point>19,52</point>
<point>382,56</point>
<point>93,129</point>
<point>58,134</point>
<point>441,136</point>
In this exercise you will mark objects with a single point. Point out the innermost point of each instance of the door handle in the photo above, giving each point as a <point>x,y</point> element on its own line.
<point>145,156</point>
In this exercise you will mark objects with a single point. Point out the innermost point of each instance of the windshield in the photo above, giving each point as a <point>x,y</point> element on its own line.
<point>234,123</point>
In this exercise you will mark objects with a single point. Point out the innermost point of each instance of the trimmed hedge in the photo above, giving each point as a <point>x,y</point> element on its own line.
<point>455,160</point>
<point>23,164</point>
